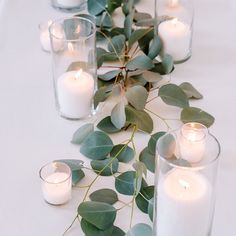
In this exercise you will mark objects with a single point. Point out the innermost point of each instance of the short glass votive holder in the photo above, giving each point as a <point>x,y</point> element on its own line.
<point>56,183</point>
<point>73,42</point>
<point>175,28</point>
<point>69,5</point>
<point>185,190</point>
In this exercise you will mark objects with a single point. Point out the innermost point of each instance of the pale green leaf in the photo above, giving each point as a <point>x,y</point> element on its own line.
<point>105,167</point>
<point>82,133</point>
<point>118,117</point>
<point>140,62</point>
<point>190,91</point>
<point>104,195</point>
<point>122,153</point>
<point>106,126</point>
<point>140,230</point>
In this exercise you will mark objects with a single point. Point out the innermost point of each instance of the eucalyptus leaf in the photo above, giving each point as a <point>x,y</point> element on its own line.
<point>148,159</point>
<point>117,44</point>
<point>153,142</point>
<point>193,114</point>
<point>117,232</point>
<point>150,208</point>
<point>141,119</point>
<point>77,176</point>
<point>104,20</point>
<point>152,77</point>
<point>90,230</point>
<point>112,5</point>
<point>155,47</point>
<point>140,168</point>
<point>173,95</point>
<point>144,42</point>
<point>104,195</point>
<point>109,75</point>
<point>101,215</point>
<point>165,67</point>
<point>137,97</point>
<point>116,31</point>
<point>128,26</point>
<point>126,153</point>
<point>190,91</point>
<point>101,95</point>
<point>105,167</point>
<point>82,133</point>
<point>166,146</point>
<point>137,35</point>
<point>140,230</point>
<point>145,23</point>
<point>106,126</point>
<point>142,200</point>
<point>127,6</point>
<point>96,7</point>
<point>141,16</point>
<point>125,183</point>
<point>141,62</point>
<point>118,117</point>
<point>97,145</point>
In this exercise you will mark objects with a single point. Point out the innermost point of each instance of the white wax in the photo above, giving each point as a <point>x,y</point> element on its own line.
<point>57,188</point>
<point>192,145</point>
<point>176,38</point>
<point>69,3</point>
<point>183,204</point>
<point>75,94</point>
<point>172,3</point>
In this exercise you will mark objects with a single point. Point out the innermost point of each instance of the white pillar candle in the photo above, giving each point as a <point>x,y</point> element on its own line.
<point>193,142</point>
<point>69,3</point>
<point>75,91</point>
<point>172,3</point>
<point>176,38</point>
<point>57,188</point>
<point>183,204</point>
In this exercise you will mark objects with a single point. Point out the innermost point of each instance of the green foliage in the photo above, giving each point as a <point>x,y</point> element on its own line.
<point>123,153</point>
<point>190,91</point>
<point>117,232</point>
<point>140,230</point>
<point>140,62</point>
<point>148,159</point>
<point>82,133</point>
<point>150,208</point>
<point>117,44</point>
<point>96,146</point>
<point>153,142</point>
<point>104,195</point>
<point>109,75</point>
<point>118,117</point>
<point>99,214</point>
<point>107,126</point>
<point>142,200</point>
<point>105,167</point>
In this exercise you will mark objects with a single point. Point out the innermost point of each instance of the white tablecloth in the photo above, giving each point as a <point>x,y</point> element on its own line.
<point>33,134</point>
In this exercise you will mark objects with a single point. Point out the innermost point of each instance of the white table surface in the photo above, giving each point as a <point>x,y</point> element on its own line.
<point>33,134</point>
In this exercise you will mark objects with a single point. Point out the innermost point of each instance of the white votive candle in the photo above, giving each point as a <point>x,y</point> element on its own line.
<point>183,204</point>
<point>193,142</point>
<point>176,38</point>
<point>69,3</point>
<point>75,91</point>
<point>57,188</point>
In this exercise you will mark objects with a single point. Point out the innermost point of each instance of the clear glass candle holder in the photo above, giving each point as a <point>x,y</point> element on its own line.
<point>56,183</point>
<point>44,35</point>
<point>73,42</point>
<point>69,5</point>
<point>175,28</point>
<point>185,189</point>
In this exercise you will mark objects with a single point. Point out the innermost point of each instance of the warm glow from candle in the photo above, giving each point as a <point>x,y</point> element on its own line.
<point>173,3</point>
<point>70,47</point>
<point>78,74</point>
<point>184,183</point>
<point>78,29</point>
<point>174,21</point>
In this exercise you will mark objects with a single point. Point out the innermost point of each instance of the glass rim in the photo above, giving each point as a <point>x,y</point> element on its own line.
<point>50,163</point>
<point>50,28</point>
<point>195,166</point>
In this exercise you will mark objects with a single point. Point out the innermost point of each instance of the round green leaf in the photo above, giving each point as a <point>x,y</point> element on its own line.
<point>153,141</point>
<point>117,231</point>
<point>82,133</point>
<point>101,95</point>
<point>126,155</point>
<point>125,183</point>
<point>155,47</point>
<point>137,35</point>
<point>142,200</point>
<point>117,44</point>
<point>77,175</point>
<point>97,145</point>
<point>107,126</point>
<point>137,97</point>
<point>104,166</point>
<point>190,91</point>
<point>104,195</point>
<point>96,7</point>
<point>140,230</point>
<point>148,159</point>
<point>91,230</point>
<point>118,117</point>
<point>104,20</point>
<point>140,62</point>
<point>173,95</point>
<point>193,114</point>
<point>167,63</point>
<point>150,208</point>
<point>152,77</point>
<point>101,215</point>
<point>109,75</point>
<point>128,26</point>
<point>140,118</point>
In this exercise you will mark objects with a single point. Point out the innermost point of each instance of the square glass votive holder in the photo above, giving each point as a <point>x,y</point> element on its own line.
<point>73,42</point>
<point>185,188</point>
<point>56,183</point>
<point>175,28</point>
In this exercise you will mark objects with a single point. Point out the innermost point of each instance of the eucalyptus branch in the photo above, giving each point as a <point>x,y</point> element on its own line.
<point>70,226</point>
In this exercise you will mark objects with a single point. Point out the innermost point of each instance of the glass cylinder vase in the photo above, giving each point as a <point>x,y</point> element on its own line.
<point>185,185</point>
<point>175,28</point>
<point>69,5</point>
<point>73,43</point>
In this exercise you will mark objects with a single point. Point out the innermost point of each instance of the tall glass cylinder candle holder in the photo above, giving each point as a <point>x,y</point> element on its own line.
<point>175,28</point>
<point>185,189</point>
<point>74,66</point>
<point>56,183</point>
<point>69,5</point>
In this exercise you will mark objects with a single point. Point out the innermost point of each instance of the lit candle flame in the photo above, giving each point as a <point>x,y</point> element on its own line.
<point>184,183</point>
<point>77,29</point>
<point>77,75</point>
